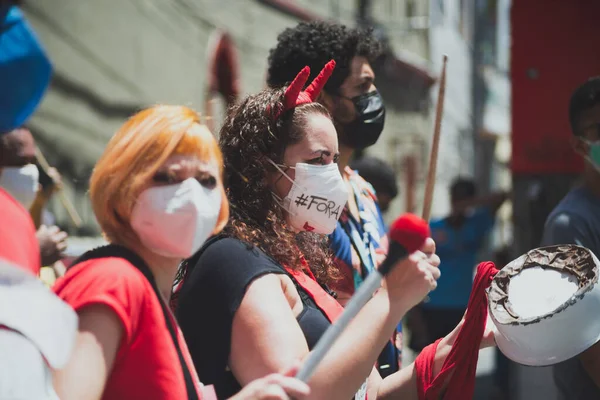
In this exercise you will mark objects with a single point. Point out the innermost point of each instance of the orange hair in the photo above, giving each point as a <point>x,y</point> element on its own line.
<point>135,153</point>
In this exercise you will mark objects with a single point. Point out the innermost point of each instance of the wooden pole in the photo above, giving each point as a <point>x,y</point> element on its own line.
<point>430,184</point>
<point>61,194</point>
<point>410,168</point>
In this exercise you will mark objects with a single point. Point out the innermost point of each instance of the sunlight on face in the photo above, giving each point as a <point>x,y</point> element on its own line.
<point>319,147</point>
<point>178,168</point>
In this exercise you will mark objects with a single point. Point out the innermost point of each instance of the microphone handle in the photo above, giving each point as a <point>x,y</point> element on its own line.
<point>356,303</point>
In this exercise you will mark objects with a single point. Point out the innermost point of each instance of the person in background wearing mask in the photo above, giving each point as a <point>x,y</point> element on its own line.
<point>37,330</point>
<point>25,73</point>
<point>262,284</point>
<point>17,224</point>
<point>157,194</point>
<point>381,176</point>
<point>576,220</point>
<point>359,241</point>
<point>459,238</point>
<point>21,180</point>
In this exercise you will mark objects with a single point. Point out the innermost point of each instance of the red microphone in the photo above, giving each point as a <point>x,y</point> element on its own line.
<point>407,235</point>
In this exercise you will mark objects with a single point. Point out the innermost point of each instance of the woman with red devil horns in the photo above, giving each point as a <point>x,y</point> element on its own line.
<point>261,283</point>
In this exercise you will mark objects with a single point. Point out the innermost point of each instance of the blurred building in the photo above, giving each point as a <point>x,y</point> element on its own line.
<point>425,30</point>
<point>114,57</point>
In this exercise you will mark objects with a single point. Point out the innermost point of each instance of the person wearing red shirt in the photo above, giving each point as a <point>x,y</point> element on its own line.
<point>37,330</point>
<point>158,195</point>
<point>18,243</point>
<point>32,347</point>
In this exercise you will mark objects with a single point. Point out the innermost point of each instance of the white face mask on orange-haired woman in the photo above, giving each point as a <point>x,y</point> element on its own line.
<point>175,220</point>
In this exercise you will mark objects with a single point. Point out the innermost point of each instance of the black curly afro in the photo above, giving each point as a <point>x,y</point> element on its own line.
<point>314,44</point>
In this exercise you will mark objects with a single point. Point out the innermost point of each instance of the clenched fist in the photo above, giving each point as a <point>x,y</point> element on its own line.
<point>412,278</point>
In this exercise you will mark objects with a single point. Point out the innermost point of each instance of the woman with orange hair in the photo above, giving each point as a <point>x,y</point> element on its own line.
<point>158,195</point>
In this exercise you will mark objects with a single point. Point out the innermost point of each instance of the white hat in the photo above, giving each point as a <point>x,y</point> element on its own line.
<point>545,305</point>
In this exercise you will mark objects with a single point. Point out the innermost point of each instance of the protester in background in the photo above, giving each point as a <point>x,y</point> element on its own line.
<point>576,220</point>
<point>157,194</point>
<point>381,176</point>
<point>359,242</point>
<point>18,243</point>
<point>37,330</point>
<point>459,237</point>
<point>20,178</point>
<point>25,72</point>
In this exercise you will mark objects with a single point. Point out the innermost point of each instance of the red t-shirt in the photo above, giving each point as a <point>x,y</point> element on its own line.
<point>146,365</point>
<point>18,243</point>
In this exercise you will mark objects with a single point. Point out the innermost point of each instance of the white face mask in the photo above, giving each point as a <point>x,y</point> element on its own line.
<point>175,220</point>
<point>21,182</point>
<point>316,199</point>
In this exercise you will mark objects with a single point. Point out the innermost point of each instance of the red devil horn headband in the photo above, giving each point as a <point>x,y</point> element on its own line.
<point>294,96</point>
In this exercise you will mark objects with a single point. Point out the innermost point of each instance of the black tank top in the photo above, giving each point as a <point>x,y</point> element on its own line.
<point>213,290</point>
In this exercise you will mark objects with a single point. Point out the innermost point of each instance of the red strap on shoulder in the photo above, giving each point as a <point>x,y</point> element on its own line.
<point>462,360</point>
<point>330,307</point>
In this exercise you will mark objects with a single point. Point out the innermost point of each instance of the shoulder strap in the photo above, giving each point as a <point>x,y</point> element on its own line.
<point>138,262</point>
<point>323,300</point>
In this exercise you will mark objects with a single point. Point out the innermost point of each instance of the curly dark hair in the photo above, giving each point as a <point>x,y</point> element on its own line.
<point>250,136</point>
<point>314,44</point>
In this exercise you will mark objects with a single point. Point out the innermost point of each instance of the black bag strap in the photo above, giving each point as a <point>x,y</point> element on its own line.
<point>140,264</point>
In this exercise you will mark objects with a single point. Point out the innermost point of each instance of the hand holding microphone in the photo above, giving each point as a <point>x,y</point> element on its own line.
<point>406,285</point>
<point>412,278</point>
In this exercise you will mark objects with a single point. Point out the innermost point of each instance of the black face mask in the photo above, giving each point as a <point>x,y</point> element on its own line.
<point>370,118</point>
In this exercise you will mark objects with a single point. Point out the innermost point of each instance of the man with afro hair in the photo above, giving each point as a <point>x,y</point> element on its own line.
<point>359,242</point>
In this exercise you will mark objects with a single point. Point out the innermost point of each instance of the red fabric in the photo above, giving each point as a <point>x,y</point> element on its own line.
<point>18,243</point>
<point>146,365</point>
<point>322,299</point>
<point>462,360</point>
